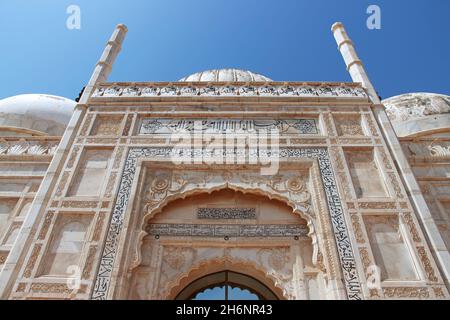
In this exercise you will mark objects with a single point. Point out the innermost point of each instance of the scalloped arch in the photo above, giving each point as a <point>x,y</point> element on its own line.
<point>311,223</point>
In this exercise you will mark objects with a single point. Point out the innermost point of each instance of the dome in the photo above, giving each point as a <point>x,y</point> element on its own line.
<point>35,114</point>
<point>416,105</point>
<point>415,113</point>
<point>225,75</point>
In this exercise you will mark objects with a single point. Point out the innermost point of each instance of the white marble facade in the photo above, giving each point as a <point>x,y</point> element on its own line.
<point>102,210</point>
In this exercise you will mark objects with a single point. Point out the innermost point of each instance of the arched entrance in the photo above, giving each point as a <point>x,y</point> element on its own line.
<point>226,285</point>
<point>226,239</point>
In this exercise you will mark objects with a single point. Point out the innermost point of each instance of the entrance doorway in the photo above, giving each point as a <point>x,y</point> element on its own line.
<point>226,285</point>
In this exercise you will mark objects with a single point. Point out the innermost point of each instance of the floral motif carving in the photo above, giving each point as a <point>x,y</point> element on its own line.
<point>86,124</point>
<point>348,126</point>
<point>357,229</point>
<point>32,260</point>
<point>371,125</point>
<point>275,90</point>
<point>89,262</point>
<point>407,292</point>
<point>439,292</point>
<point>62,183</point>
<point>98,226</point>
<point>412,228</point>
<point>50,288</point>
<point>377,205</point>
<point>21,287</point>
<point>384,158</point>
<point>110,185</point>
<point>73,156</point>
<point>45,225</point>
<point>126,129</point>
<point>395,185</point>
<point>429,270</point>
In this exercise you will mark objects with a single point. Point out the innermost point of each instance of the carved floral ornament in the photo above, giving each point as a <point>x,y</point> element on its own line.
<point>207,90</point>
<point>439,151</point>
<point>286,186</point>
<point>22,147</point>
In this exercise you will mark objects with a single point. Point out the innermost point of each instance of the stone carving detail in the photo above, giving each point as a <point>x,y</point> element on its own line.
<point>439,151</point>
<point>27,147</point>
<point>417,105</point>
<point>226,213</point>
<point>126,129</point>
<point>176,257</point>
<point>439,293</point>
<point>429,270</point>
<point>161,185</point>
<point>226,230</point>
<point>3,256</point>
<point>407,292</point>
<point>106,125</point>
<point>412,228</point>
<point>299,126</point>
<point>348,126</point>
<point>385,159</point>
<point>165,183</point>
<point>79,204</point>
<point>47,221</point>
<point>50,288</point>
<point>371,125</point>
<point>377,205</point>
<point>365,258</point>
<point>62,183</point>
<point>206,90</point>
<point>21,287</point>
<point>89,262</point>
<point>110,185</point>
<point>98,226</point>
<point>32,260</point>
<point>357,228</point>
<point>118,157</point>
<point>73,156</point>
<point>395,185</point>
<point>87,123</point>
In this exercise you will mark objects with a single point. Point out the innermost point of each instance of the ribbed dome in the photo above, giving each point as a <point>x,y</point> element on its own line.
<point>225,75</point>
<point>38,112</point>
<point>416,105</point>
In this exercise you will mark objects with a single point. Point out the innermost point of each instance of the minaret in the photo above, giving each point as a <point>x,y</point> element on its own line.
<point>356,69</point>
<point>25,237</point>
<point>354,64</point>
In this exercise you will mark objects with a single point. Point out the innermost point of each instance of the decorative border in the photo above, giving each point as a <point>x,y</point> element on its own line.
<point>345,250</point>
<point>226,230</point>
<point>228,90</point>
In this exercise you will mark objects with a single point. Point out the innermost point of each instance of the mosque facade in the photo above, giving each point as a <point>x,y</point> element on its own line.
<point>225,179</point>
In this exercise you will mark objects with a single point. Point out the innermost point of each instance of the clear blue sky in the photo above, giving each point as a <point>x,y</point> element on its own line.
<point>168,39</point>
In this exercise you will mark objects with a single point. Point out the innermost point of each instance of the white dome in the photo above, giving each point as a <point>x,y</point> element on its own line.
<point>225,75</point>
<point>419,113</point>
<point>412,106</point>
<point>37,112</point>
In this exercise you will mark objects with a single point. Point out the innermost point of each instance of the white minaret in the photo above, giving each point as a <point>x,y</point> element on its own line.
<point>356,69</point>
<point>354,64</point>
<point>24,239</point>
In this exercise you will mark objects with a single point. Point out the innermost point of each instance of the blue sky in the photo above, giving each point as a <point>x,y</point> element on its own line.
<point>168,39</point>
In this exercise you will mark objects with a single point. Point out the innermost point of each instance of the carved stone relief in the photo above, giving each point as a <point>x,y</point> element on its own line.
<point>293,189</point>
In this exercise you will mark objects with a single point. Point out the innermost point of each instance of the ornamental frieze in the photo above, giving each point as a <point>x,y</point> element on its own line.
<point>217,90</point>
